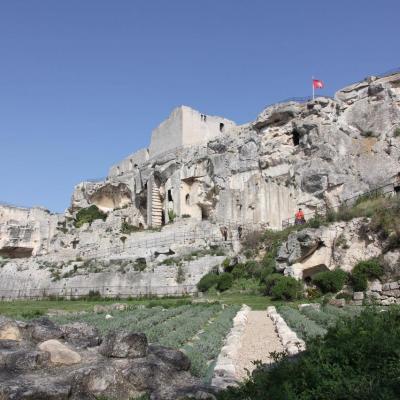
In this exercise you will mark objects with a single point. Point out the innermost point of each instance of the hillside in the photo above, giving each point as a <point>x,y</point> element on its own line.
<point>200,177</point>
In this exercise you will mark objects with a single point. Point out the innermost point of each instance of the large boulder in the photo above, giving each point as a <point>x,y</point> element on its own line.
<point>24,359</point>
<point>179,360</point>
<point>43,329</point>
<point>81,334</point>
<point>9,330</point>
<point>60,353</point>
<point>124,345</point>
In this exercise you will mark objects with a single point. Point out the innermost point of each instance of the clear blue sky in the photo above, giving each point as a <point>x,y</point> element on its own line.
<point>83,82</point>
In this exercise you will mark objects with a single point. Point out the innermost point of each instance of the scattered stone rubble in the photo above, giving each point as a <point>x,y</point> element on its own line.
<point>225,373</point>
<point>42,361</point>
<point>290,341</point>
<point>384,294</point>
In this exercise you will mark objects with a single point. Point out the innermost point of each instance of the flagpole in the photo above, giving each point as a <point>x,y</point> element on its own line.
<point>313,90</point>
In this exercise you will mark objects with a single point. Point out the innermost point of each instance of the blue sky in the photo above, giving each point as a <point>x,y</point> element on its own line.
<point>83,82</point>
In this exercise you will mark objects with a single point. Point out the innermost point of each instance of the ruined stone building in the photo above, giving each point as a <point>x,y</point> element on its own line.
<point>203,172</point>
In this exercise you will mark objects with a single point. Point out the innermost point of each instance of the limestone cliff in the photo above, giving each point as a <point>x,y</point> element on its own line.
<point>204,172</point>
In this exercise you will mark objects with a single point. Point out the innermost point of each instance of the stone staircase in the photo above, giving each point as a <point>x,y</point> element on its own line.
<point>156,209</point>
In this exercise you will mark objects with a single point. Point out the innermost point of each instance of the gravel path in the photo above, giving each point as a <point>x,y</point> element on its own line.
<point>259,339</point>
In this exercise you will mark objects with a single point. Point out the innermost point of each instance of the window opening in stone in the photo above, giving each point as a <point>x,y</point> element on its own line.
<point>204,213</point>
<point>221,127</point>
<point>162,217</point>
<point>187,199</point>
<point>296,138</point>
<point>169,195</point>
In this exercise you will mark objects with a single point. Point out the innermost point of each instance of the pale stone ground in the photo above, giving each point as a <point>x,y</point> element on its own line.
<point>258,340</point>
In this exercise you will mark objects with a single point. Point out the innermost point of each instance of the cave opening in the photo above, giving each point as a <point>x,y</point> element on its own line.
<point>296,138</point>
<point>16,252</point>
<point>204,213</point>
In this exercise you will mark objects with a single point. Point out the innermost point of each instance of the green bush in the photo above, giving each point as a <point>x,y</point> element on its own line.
<point>396,132</point>
<point>225,281</point>
<point>363,271</point>
<point>127,228</point>
<point>208,281</point>
<point>226,265</point>
<point>88,215</point>
<point>171,215</point>
<point>357,359</point>
<point>286,288</point>
<point>330,281</point>
<point>270,282</point>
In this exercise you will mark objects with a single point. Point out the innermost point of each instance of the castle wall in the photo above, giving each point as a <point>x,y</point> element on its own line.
<point>129,164</point>
<point>186,127</point>
<point>168,135</point>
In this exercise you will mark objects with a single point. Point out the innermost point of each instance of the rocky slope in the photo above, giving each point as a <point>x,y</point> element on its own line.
<point>312,155</point>
<point>42,361</point>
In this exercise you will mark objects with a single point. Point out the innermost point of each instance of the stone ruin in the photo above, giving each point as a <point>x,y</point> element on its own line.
<point>201,173</point>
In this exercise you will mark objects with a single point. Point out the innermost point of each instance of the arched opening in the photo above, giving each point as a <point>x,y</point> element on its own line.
<point>296,138</point>
<point>221,127</point>
<point>187,199</point>
<point>170,195</point>
<point>204,213</point>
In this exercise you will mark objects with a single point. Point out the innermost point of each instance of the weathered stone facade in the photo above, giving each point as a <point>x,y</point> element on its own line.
<point>215,174</point>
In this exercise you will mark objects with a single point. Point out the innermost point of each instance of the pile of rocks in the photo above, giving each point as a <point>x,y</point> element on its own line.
<point>290,341</point>
<point>384,294</point>
<point>42,361</point>
<point>225,373</point>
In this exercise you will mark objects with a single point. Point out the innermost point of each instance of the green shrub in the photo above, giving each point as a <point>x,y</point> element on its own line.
<point>225,281</point>
<point>171,215</point>
<point>269,263</point>
<point>208,281</point>
<point>359,282</point>
<point>88,215</point>
<point>287,288</point>
<point>303,326</point>
<point>239,271</point>
<point>127,228</point>
<point>330,281</point>
<point>357,359</point>
<point>363,271</point>
<point>270,282</point>
<point>396,132</point>
<point>226,265</point>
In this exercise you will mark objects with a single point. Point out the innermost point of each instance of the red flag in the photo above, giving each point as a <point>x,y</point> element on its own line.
<point>317,84</point>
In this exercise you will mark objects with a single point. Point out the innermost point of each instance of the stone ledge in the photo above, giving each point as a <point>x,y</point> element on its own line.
<point>225,373</point>
<point>289,339</point>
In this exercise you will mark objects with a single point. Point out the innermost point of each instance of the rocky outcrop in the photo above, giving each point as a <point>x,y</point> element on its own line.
<point>341,244</point>
<point>212,172</point>
<point>123,367</point>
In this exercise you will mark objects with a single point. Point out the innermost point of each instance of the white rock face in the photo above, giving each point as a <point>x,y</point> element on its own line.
<point>60,353</point>
<point>214,172</point>
<point>314,250</point>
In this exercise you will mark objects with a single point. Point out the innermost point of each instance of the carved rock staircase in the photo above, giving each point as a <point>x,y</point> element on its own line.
<point>156,209</point>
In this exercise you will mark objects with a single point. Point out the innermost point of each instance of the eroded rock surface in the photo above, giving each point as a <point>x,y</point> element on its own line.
<point>123,367</point>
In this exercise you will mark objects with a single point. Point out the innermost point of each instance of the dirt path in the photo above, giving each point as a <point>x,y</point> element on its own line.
<point>258,340</point>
